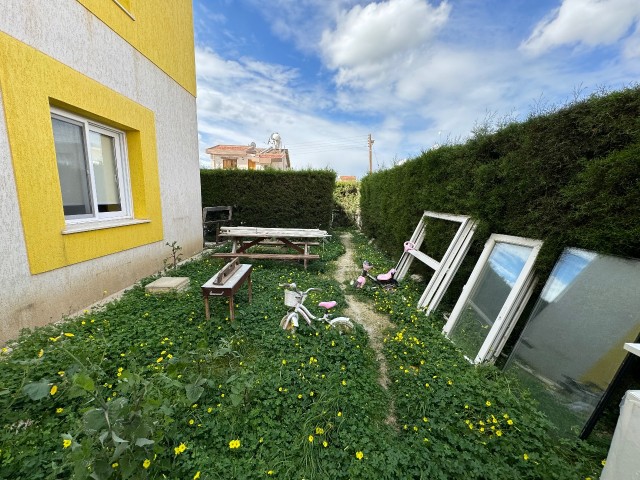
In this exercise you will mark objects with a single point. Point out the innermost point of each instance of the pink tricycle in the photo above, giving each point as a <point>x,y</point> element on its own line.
<point>384,280</point>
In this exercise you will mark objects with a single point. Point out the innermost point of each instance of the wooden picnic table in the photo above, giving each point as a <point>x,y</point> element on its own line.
<point>297,239</point>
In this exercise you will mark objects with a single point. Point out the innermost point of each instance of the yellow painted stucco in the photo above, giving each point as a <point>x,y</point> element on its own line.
<point>161,31</point>
<point>31,83</point>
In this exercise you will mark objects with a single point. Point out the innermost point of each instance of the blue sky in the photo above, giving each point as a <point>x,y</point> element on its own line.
<point>412,73</point>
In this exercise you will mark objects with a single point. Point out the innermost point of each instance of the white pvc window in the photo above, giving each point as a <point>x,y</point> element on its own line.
<point>493,298</point>
<point>92,168</point>
<point>447,266</point>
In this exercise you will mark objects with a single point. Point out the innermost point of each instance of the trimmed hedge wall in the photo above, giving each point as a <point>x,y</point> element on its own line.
<point>272,198</point>
<point>570,178</point>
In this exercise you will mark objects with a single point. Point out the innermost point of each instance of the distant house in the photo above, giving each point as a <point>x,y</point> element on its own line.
<point>347,178</point>
<point>248,157</point>
<point>98,151</point>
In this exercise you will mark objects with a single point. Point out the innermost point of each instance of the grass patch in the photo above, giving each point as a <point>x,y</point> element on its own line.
<point>147,388</point>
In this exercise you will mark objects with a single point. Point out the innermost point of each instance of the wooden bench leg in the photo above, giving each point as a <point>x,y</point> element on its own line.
<point>249,286</point>
<point>206,307</point>
<point>231,309</point>
<point>306,252</point>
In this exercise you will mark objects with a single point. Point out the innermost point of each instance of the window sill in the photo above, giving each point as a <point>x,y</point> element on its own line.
<point>89,226</point>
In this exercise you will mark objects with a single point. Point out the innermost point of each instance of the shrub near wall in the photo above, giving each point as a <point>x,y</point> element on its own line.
<point>570,178</point>
<point>346,208</point>
<point>272,198</point>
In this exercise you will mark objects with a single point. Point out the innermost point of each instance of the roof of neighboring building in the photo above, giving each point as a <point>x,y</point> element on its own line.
<point>231,149</point>
<point>347,178</point>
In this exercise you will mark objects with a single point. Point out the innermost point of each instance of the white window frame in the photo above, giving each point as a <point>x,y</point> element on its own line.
<point>122,165</point>
<point>446,268</point>
<point>513,305</point>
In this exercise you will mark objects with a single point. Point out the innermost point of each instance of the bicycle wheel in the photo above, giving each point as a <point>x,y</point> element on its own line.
<point>289,322</point>
<point>342,324</point>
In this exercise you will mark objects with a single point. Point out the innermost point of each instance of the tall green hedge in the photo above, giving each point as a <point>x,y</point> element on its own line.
<point>272,198</point>
<point>346,208</point>
<point>570,178</point>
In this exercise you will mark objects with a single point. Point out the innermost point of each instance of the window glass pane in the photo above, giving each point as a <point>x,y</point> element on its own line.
<point>72,168</point>
<point>105,171</point>
<point>491,290</point>
<point>573,342</point>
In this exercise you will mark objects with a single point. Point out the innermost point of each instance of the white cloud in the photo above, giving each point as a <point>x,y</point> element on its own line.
<point>631,48</point>
<point>370,43</point>
<point>404,71</point>
<point>244,101</point>
<point>585,22</point>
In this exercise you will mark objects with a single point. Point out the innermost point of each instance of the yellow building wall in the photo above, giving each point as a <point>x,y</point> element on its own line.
<point>161,30</point>
<point>44,82</point>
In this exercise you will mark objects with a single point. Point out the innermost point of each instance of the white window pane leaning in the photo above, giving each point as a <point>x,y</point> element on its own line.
<point>493,298</point>
<point>447,266</point>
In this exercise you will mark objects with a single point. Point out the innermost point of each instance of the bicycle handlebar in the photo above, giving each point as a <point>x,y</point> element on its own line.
<point>293,286</point>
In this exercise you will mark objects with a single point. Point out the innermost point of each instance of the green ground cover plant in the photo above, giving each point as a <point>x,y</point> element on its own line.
<point>147,388</point>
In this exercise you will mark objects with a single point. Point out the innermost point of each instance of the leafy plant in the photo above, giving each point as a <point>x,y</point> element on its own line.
<point>174,258</point>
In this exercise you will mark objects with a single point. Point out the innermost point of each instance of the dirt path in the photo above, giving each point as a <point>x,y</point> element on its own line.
<point>374,323</point>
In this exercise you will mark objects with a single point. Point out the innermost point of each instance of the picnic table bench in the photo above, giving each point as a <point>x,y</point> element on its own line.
<point>297,239</point>
<point>226,283</point>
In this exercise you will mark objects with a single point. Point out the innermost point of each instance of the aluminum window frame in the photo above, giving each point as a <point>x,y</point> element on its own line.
<point>122,165</point>
<point>513,305</point>
<point>443,270</point>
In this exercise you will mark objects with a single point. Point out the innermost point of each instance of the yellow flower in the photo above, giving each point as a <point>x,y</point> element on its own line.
<point>53,390</point>
<point>209,410</point>
<point>359,455</point>
<point>146,463</point>
<point>69,334</point>
<point>40,353</point>
<point>487,403</point>
<point>311,394</point>
<point>319,430</point>
<point>284,362</point>
<point>59,410</point>
<point>603,462</point>
<point>339,414</point>
<point>114,465</point>
<point>525,456</point>
<point>499,433</point>
<point>310,438</point>
<point>270,472</point>
<point>197,475</point>
<point>510,422</point>
<point>159,359</point>
<point>192,421</point>
<point>344,383</point>
<point>325,444</point>
<point>179,449</point>
<point>234,444</point>
<point>66,443</point>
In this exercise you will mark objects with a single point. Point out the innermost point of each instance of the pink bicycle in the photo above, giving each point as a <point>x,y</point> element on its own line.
<point>294,299</point>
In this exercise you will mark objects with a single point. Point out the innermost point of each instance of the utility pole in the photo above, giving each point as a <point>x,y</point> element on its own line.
<point>370,160</point>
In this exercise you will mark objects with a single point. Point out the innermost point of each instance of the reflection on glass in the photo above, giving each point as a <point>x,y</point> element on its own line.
<point>72,168</point>
<point>105,171</point>
<point>489,295</point>
<point>572,345</point>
